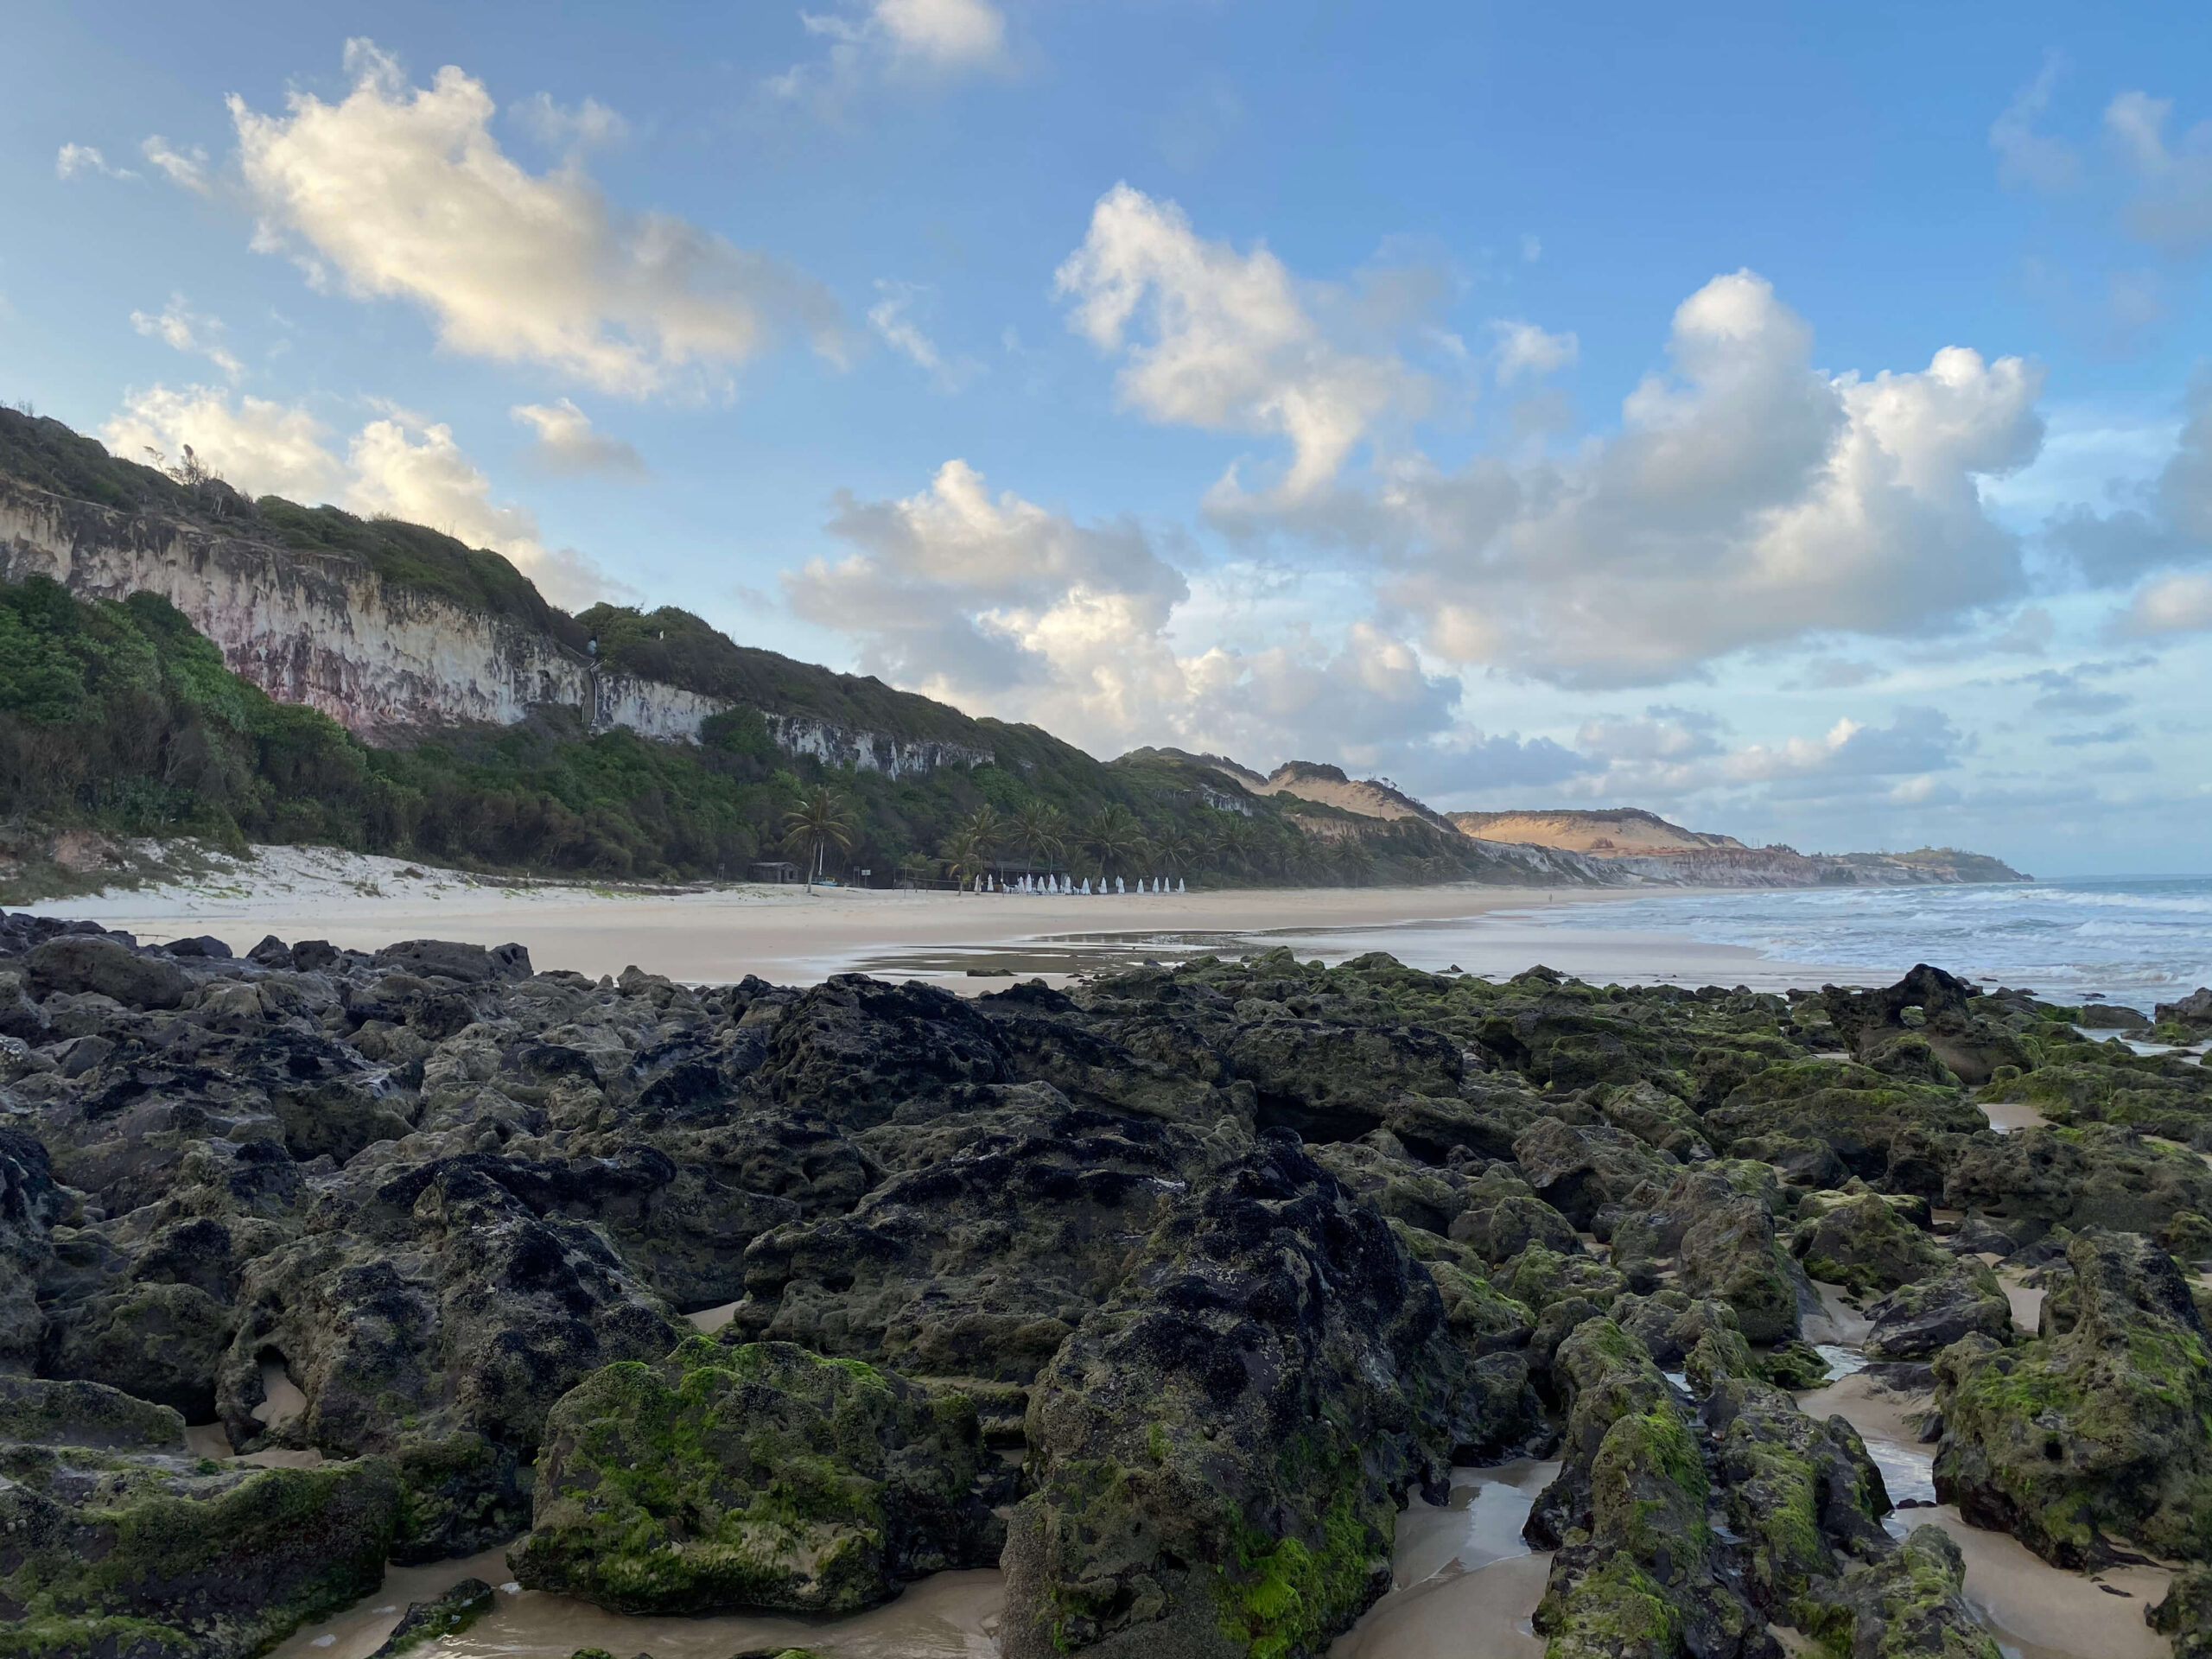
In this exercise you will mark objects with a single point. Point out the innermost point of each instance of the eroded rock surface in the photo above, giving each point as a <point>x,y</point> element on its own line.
<point>1198,1275</point>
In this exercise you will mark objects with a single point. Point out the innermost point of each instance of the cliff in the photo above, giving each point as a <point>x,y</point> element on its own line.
<point>393,629</point>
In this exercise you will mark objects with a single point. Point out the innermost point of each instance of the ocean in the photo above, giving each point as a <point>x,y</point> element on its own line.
<point>2137,940</point>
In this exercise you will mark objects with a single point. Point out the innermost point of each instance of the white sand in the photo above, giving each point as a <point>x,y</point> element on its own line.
<point>791,935</point>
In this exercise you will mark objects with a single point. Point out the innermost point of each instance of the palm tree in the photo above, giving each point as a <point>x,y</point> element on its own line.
<point>964,854</point>
<point>823,819</point>
<point>1113,836</point>
<point>987,830</point>
<point>1175,848</point>
<point>1041,831</point>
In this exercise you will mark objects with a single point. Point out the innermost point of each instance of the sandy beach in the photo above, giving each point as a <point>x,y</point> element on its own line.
<point>794,935</point>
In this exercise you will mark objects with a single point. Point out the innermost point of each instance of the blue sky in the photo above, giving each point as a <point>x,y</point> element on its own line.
<point>1790,421</point>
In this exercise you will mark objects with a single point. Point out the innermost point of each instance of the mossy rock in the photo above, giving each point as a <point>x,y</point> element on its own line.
<point>1864,1243</point>
<point>2100,1433</point>
<point>1920,1320</point>
<point>217,1567</point>
<point>756,1476</point>
<point>1909,1605</point>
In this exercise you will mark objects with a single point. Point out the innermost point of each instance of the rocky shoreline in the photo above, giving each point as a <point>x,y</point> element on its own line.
<point>1169,1293</point>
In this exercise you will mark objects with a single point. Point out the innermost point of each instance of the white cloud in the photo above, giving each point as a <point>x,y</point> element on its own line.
<point>182,329</point>
<point>2172,206</point>
<point>1225,340</point>
<point>588,125</point>
<point>74,161</point>
<point>1524,349</point>
<point>401,192</point>
<point>1749,499</point>
<point>566,441</point>
<point>2025,157</point>
<point>399,466</point>
<point>2177,604</point>
<point>1005,607</point>
<point>261,446</point>
<point>901,39</point>
<point>188,170</point>
<point>951,34</point>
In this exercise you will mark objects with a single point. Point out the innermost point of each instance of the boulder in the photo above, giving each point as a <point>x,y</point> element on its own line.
<point>1863,1244</point>
<point>1801,1492</point>
<point>1918,1321</point>
<point>1221,1451</point>
<point>119,1543</point>
<point>1580,1170</point>
<point>2195,1009</point>
<point>2076,1440</point>
<point>1637,1567</point>
<point>105,967</point>
<point>2185,1613</point>
<point>755,1476</point>
<point>469,964</point>
<point>1909,1605</point>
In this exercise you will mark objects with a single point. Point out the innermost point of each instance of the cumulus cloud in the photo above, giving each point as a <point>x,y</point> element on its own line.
<point>75,161</point>
<point>1748,500</point>
<point>2025,156</point>
<point>1006,608</point>
<point>2171,208</point>
<point>399,466</point>
<point>1225,340</point>
<point>567,442</point>
<point>179,327</point>
<point>2176,604</point>
<point>2170,523</point>
<point>399,191</point>
<point>262,447</point>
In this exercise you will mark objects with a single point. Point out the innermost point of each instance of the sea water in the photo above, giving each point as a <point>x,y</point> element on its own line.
<point>2139,940</point>
<point>2135,941</point>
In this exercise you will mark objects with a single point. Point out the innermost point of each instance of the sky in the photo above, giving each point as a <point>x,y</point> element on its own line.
<point>1795,422</point>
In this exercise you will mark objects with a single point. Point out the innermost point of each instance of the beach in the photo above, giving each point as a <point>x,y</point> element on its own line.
<point>795,935</point>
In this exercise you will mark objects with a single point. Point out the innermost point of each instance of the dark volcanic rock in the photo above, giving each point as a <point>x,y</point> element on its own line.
<point>1220,1452</point>
<point>407,1209</point>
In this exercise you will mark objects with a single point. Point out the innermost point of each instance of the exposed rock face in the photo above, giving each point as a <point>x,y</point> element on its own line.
<point>324,629</point>
<point>1239,1256</point>
<point>2095,1432</point>
<point>757,1477</point>
<point>120,1541</point>
<point>1221,1450</point>
<point>1920,1320</point>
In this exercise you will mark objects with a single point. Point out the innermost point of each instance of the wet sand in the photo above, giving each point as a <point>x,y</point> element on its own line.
<point>2007,1117</point>
<point>1875,1411</point>
<point>963,940</point>
<point>948,1616</point>
<point>2037,1611</point>
<point>1464,1580</point>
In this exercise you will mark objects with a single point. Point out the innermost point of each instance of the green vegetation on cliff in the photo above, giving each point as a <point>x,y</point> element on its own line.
<point>120,717</point>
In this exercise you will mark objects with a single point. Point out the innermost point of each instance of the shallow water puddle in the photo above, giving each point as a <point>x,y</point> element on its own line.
<point>1464,1580</point>
<point>946,1616</point>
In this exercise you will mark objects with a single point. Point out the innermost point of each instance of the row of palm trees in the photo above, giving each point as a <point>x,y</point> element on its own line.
<point>1112,838</point>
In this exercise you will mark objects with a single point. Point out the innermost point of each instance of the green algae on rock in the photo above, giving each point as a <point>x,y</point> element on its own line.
<point>754,1475</point>
<point>2087,1441</point>
<point>120,1541</point>
<point>1220,1452</point>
